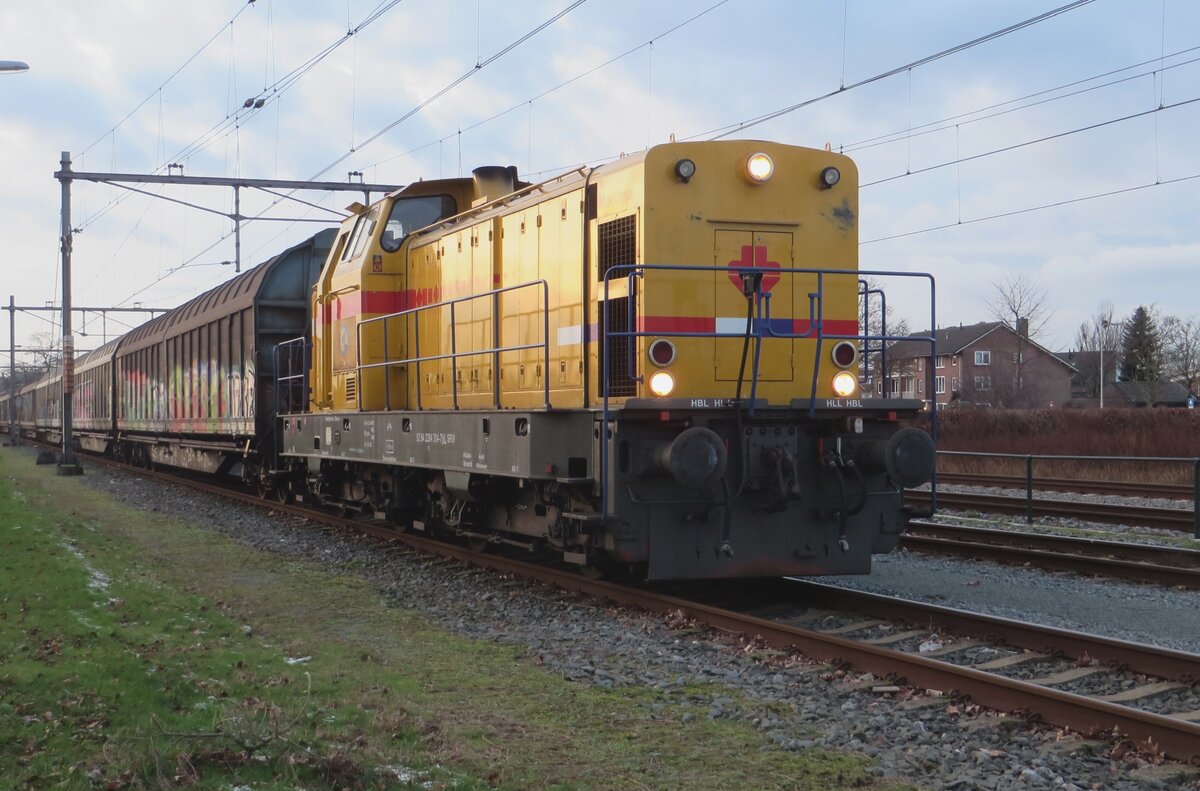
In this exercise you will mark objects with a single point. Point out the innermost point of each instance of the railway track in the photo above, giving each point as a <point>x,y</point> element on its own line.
<point>1120,559</point>
<point>1171,491</point>
<point>1165,518</point>
<point>855,644</point>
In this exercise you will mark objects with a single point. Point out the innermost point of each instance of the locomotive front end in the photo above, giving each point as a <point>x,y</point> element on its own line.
<point>729,369</point>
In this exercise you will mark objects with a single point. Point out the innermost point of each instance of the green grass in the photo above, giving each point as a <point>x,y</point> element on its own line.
<point>138,651</point>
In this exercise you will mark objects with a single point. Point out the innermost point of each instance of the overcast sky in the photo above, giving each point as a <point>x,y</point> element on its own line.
<point>106,84</point>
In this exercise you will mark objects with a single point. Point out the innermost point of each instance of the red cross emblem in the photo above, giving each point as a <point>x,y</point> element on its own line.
<point>754,256</point>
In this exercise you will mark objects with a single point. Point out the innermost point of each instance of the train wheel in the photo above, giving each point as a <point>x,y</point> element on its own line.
<point>263,486</point>
<point>592,571</point>
<point>598,568</point>
<point>601,568</point>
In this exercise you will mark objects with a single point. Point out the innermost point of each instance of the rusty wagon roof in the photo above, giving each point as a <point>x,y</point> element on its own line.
<point>234,295</point>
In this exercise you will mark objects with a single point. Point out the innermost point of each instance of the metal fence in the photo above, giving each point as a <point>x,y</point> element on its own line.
<point>1030,458</point>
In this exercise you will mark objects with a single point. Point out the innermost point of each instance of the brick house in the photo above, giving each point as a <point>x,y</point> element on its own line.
<point>988,364</point>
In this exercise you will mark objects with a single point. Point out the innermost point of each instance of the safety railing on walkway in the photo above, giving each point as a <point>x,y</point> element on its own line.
<point>454,354</point>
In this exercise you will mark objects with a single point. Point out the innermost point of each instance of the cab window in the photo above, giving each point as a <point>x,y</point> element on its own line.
<point>364,229</point>
<point>412,214</point>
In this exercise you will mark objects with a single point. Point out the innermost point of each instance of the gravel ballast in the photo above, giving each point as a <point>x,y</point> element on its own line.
<point>1124,610</point>
<point>798,705</point>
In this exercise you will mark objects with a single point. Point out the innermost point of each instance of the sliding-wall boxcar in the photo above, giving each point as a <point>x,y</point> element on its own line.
<point>195,386</point>
<point>92,400</point>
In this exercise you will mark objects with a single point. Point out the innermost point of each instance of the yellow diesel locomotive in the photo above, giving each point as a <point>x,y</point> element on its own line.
<point>652,365</point>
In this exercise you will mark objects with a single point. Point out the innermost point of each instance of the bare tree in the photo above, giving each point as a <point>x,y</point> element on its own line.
<point>47,354</point>
<point>1019,296</point>
<point>1020,302</point>
<point>876,323</point>
<point>1181,350</point>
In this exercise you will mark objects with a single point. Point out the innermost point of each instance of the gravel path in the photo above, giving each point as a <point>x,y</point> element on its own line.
<point>797,705</point>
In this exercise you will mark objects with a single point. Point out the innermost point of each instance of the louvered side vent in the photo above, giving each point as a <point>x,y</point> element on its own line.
<point>352,388</point>
<point>620,383</point>
<point>617,242</point>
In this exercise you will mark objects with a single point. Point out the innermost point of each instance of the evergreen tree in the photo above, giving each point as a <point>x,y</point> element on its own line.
<point>1141,346</point>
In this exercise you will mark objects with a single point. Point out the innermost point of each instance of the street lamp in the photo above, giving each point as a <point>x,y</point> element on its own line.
<point>13,66</point>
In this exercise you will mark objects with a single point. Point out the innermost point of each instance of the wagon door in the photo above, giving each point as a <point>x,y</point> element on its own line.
<point>734,251</point>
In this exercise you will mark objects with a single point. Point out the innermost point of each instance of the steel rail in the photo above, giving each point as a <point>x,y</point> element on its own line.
<point>1164,663</point>
<point>1120,559</point>
<point>1166,518</point>
<point>1177,738</point>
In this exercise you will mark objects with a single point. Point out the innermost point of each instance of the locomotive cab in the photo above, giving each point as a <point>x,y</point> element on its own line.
<point>366,276</point>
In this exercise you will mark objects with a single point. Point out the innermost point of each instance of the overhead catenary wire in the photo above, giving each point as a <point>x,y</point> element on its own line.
<point>382,8</point>
<point>911,132</point>
<point>1031,209</point>
<point>449,87</point>
<point>1058,135</point>
<point>441,92</point>
<point>541,95</point>
<point>168,80</point>
<point>974,116</point>
<point>902,134</point>
<point>740,126</point>
<point>227,126</point>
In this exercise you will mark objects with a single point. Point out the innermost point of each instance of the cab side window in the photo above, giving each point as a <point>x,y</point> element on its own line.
<point>412,214</point>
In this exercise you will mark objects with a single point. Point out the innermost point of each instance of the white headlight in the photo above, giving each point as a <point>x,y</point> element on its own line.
<point>759,167</point>
<point>844,384</point>
<point>662,383</point>
<point>685,169</point>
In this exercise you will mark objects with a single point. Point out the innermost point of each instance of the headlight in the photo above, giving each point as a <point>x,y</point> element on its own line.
<point>662,383</point>
<point>685,169</point>
<point>844,384</point>
<point>829,177</point>
<point>759,167</point>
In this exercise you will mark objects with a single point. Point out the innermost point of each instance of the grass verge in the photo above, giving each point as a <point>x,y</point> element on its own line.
<point>138,651</point>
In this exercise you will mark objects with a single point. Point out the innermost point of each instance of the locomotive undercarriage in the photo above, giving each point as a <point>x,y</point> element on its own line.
<point>481,509</point>
<point>689,493</point>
